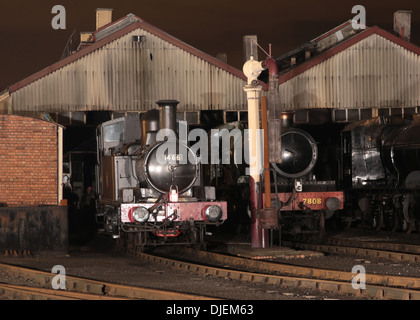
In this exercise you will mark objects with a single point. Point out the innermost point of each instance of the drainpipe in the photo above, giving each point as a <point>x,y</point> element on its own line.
<point>60,163</point>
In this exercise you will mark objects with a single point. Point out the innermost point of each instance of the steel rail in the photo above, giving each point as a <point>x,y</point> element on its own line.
<point>386,246</point>
<point>99,287</point>
<point>336,286</point>
<point>356,250</point>
<point>397,247</point>
<point>302,271</point>
<point>18,292</point>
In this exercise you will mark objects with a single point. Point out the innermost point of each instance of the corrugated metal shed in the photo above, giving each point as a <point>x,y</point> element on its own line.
<point>117,73</point>
<point>372,69</point>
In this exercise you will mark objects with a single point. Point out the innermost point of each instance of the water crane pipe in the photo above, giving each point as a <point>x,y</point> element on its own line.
<point>271,65</point>
<point>273,72</point>
<point>267,187</point>
<point>274,113</point>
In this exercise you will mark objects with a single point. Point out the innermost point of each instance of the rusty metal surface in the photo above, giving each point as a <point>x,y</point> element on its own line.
<point>34,229</point>
<point>311,200</point>
<point>269,218</point>
<point>15,292</point>
<point>301,271</point>
<point>396,251</point>
<point>398,256</point>
<point>321,280</point>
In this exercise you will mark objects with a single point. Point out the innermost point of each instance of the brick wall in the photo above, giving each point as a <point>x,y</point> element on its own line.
<point>28,161</point>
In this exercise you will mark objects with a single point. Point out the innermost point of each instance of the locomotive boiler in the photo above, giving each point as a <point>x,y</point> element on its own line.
<point>150,181</point>
<point>381,171</point>
<point>305,187</point>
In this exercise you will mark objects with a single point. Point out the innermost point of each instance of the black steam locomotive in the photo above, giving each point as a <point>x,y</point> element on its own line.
<point>304,187</point>
<point>150,182</point>
<point>381,172</point>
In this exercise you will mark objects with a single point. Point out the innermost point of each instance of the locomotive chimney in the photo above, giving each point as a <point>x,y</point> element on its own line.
<point>167,116</point>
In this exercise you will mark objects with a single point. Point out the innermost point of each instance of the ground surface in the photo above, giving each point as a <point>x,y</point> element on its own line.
<point>99,258</point>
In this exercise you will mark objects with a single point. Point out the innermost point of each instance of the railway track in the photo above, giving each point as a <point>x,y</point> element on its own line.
<point>392,251</point>
<point>18,292</point>
<point>78,288</point>
<point>218,265</point>
<point>321,280</point>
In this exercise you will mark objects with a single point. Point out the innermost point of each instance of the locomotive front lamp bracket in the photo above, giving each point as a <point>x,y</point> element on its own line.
<point>298,185</point>
<point>173,194</point>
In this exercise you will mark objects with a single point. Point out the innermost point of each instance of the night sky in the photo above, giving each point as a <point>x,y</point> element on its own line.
<point>29,43</point>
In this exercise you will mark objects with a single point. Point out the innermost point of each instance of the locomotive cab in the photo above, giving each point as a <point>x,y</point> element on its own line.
<point>114,173</point>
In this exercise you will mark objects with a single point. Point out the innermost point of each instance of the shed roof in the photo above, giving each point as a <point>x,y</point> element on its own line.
<point>338,47</point>
<point>370,68</point>
<point>115,30</point>
<point>113,72</point>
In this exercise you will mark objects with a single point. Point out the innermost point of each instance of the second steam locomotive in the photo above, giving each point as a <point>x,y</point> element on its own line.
<point>150,182</point>
<point>368,171</point>
<point>381,172</point>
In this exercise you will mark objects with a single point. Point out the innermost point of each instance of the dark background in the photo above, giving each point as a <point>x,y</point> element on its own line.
<point>29,43</point>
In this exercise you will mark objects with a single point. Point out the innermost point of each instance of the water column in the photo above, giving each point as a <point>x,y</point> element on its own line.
<point>252,69</point>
